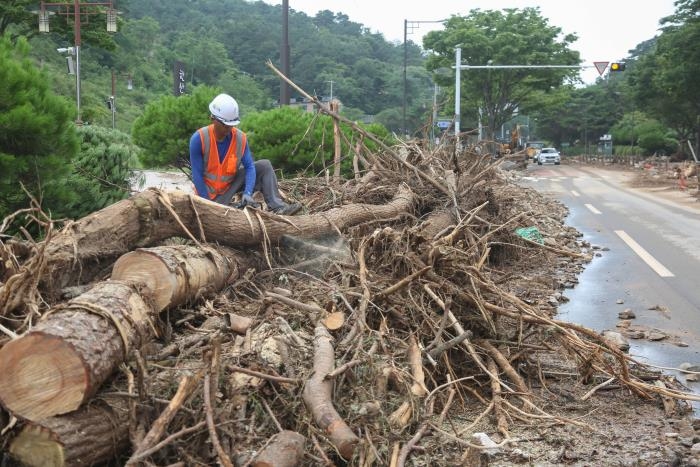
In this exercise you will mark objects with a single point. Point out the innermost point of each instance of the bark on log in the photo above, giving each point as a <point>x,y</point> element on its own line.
<point>86,246</point>
<point>64,359</point>
<point>318,393</point>
<point>176,275</point>
<point>58,437</point>
<point>285,449</point>
<point>89,436</point>
<point>435,223</point>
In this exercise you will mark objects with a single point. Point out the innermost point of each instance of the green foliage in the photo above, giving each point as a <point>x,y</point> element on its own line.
<point>101,171</point>
<point>391,118</point>
<point>165,128</point>
<point>627,130</point>
<point>647,135</point>
<point>225,45</point>
<point>17,19</point>
<point>577,116</point>
<point>655,138</point>
<point>249,94</point>
<point>225,39</point>
<point>297,141</point>
<point>627,150</point>
<point>281,135</point>
<point>508,37</point>
<point>208,59</point>
<point>37,135</point>
<point>664,81</point>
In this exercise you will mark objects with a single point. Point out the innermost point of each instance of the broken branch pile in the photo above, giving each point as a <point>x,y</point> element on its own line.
<point>443,324</point>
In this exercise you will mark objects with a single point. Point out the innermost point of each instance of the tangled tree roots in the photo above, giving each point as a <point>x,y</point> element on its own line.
<point>355,346</point>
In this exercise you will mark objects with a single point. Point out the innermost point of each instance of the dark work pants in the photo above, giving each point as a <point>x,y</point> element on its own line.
<point>265,181</point>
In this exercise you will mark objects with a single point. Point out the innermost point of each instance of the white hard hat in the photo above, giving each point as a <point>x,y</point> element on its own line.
<point>225,109</point>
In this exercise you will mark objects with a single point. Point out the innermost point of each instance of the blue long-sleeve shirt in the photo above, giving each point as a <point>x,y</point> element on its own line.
<point>197,164</point>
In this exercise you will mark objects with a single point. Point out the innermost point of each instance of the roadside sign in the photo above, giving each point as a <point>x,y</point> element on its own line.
<point>600,66</point>
<point>444,124</point>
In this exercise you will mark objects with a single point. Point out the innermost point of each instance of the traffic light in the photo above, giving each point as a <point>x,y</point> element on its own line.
<point>617,66</point>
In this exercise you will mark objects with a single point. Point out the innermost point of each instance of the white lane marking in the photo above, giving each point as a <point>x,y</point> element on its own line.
<point>575,193</point>
<point>659,268</point>
<point>593,209</point>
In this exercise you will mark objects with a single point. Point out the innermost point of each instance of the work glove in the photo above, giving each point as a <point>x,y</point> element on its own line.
<point>247,200</point>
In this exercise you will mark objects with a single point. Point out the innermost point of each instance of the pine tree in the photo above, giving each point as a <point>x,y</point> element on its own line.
<point>37,134</point>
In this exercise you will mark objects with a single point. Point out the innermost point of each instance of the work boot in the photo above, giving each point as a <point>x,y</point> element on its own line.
<point>288,209</point>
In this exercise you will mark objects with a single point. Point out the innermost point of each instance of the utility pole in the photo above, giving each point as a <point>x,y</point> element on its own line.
<point>458,96</point>
<point>405,81</point>
<point>284,54</point>
<point>433,120</point>
<point>76,9</point>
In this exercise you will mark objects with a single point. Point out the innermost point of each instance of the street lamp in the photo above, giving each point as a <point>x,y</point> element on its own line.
<point>69,58</point>
<point>112,101</point>
<point>76,9</point>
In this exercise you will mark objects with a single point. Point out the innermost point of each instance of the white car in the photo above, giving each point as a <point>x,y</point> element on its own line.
<point>548,156</point>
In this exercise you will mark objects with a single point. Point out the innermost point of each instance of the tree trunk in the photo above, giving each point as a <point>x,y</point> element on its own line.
<point>54,440</point>
<point>175,275</point>
<point>87,246</point>
<point>94,434</point>
<point>64,359</point>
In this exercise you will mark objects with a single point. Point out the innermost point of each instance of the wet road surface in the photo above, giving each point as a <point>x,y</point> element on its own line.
<point>652,263</point>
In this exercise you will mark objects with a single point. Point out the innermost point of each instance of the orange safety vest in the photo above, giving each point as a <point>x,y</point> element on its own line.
<point>219,175</point>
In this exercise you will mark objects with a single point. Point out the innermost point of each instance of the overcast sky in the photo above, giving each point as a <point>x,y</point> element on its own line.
<point>607,29</point>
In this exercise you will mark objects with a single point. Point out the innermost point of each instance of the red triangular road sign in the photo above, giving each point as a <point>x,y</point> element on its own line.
<point>600,66</point>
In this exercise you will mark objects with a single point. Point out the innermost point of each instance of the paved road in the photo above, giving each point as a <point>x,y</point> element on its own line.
<point>653,258</point>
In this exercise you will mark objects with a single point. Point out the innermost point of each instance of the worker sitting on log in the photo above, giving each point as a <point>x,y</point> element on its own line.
<point>222,163</point>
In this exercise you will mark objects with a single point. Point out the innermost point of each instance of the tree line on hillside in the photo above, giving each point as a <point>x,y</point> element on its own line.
<point>652,107</point>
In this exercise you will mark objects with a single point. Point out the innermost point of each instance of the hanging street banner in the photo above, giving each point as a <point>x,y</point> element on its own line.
<point>179,78</point>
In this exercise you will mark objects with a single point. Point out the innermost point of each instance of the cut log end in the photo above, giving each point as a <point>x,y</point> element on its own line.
<point>92,435</point>
<point>145,267</point>
<point>334,321</point>
<point>42,375</point>
<point>36,446</point>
